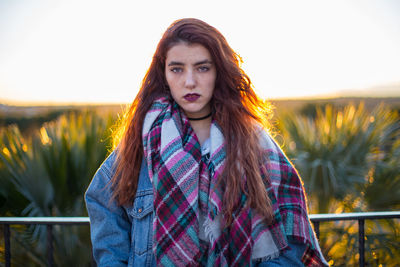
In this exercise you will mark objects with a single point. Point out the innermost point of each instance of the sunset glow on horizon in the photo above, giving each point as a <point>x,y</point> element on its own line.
<point>98,52</point>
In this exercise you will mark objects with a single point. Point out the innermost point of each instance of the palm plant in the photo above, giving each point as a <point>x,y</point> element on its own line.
<point>382,191</point>
<point>51,170</point>
<point>332,152</point>
<point>348,159</point>
<point>11,201</point>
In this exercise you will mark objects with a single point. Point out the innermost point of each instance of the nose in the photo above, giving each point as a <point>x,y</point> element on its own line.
<point>190,81</point>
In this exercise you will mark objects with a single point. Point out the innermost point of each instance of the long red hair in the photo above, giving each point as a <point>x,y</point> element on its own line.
<point>236,108</point>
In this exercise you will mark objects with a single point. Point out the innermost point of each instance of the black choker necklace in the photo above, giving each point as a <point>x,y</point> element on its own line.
<point>201,118</point>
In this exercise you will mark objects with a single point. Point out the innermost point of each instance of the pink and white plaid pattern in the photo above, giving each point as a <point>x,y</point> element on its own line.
<point>178,175</point>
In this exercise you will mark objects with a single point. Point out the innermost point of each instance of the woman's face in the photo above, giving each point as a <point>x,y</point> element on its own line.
<point>190,74</point>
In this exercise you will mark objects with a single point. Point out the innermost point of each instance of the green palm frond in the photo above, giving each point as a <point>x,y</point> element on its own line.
<point>333,151</point>
<point>51,170</point>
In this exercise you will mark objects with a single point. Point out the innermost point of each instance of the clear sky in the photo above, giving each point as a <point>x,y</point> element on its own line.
<point>98,51</point>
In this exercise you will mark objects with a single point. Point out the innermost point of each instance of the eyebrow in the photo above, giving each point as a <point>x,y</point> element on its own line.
<point>177,63</point>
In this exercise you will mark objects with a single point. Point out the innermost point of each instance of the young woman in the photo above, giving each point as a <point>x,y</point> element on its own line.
<point>196,180</point>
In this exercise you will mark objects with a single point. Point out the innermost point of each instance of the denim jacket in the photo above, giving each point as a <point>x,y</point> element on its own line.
<point>123,235</point>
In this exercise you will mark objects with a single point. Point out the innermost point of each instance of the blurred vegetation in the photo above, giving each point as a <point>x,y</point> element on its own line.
<point>46,174</point>
<point>347,155</point>
<point>341,151</point>
<point>349,159</point>
<point>28,122</point>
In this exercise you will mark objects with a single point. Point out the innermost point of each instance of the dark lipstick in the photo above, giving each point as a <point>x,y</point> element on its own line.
<point>191,97</point>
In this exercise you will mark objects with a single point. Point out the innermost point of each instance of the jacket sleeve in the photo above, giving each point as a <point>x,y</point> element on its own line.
<point>291,257</point>
<point>110,227</point>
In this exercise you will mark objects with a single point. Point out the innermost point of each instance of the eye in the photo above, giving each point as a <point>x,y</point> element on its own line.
<point>176,70</point>
<point>204,68</point>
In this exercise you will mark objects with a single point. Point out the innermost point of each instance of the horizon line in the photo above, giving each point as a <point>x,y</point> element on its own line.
<point>21,103</point>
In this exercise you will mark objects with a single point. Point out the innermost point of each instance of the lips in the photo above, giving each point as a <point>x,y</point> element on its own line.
<point>191,97</point>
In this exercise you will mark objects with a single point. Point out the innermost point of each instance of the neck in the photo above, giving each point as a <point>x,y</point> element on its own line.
<point>200,118</point>
<point>201,128</point>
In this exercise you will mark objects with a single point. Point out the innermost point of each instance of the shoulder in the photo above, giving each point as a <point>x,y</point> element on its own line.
<point>266,141</point>
<point>108,166</point>
<point>281,171</point>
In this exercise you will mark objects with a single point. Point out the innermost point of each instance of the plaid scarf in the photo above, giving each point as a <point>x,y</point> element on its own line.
<point>184,185</point>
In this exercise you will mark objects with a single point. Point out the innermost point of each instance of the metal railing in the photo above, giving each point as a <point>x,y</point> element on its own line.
<point>315,219</point>
<point>48,221</point>
<point>360,217</point>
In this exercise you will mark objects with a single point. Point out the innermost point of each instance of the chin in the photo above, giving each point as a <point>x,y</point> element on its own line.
<point>191,110</point>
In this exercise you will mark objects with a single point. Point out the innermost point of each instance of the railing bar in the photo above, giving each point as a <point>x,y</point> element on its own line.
<point>361,241</point>
<point>316,228</point>
<point>50,259</point>
<point>7,245</point>
<point>355,216</point>
<point>45,220</point>
<point>313,217</point>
